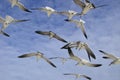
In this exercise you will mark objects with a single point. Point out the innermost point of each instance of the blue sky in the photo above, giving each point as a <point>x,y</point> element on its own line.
<point>102,26</point>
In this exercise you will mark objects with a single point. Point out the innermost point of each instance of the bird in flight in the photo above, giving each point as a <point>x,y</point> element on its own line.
<point>51,35</point>
<point>78,75</point>
<point>81,61</point>
<point>116,60</point>
<point>38,55</point>
<point>19,4</point>
<point>8,20</point>
<point>69,13</point>
<point>80,24</point>
<point>80,45</point>
<point>46,9</point>
<point>86,6</point>
<point>62,59</point>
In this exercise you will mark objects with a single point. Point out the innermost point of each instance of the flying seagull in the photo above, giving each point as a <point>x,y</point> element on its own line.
<point>51,35</point>
<point>81,61</point>
<point>116,60</point>
<point>46,9</point>
<point>69,13</point>
<point>80,45</point>
<point>19,4</point>
<point>78,75</point>
<point>38,55</point>
<point>8,20</point>
<point>86,6</point>
<point>62,59</point>
<point>80,24</point>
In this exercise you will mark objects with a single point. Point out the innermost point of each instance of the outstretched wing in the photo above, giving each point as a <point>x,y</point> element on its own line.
<point>27,55</point>
<point>108,56</point>
<point>48,61</point>
<point>59,38</point>
<point>83,29</point>
<point>21,6</point>
<point>42,32</point>
<point>89,52</point>
<point>80,3</point>
<point>70,52</point>
<point>87,77</point>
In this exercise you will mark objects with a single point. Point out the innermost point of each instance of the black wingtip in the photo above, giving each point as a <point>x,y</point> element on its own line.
<point>97,65</point>
<point>66,20</point>
<point>22,56</point>
<point>5,34</point>
<point>101,51</point>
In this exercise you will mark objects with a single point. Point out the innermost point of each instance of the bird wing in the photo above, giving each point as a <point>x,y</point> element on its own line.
<point>108,56</point>
<point>70,74</point>
<point>21,6</point>
<point>15,21</point>
<point>89,52</point>
<point>80,3</point>
<point>4,33</point>
<point>59,38</point>
<point>87,77</point>
<point>87,63</point>
<point>87,1</point>
<point>101,6</point>
<point>2,20</point>
<point>63,13</point>
<point>42,32</point>
<point>70,52</point>
<point>83,29</point>
<point>27,55</point>
<point>48,61</point>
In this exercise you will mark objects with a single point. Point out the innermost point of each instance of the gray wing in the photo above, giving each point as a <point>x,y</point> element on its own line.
<point>42,32</point>
<point>21,6</point>
<point>70,45</point>
<point>87,77</point>
<point>69,74</point>
<point>27,55</point>
<point>49,61</point>
<point>93,65</point>
<point>1,20</point>
<point>108,56</point>
<point>80,3</point>
<point>63,13</point>
<point>70,52</point>
<point>89,52</point>
<point>83,30</point>
<point>59,38</point>
<point>15,21</point>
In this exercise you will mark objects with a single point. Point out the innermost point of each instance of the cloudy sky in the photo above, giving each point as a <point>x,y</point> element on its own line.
<point>102,26</point>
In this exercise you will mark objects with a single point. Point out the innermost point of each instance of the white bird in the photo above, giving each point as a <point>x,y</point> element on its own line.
<point>46,9</point>
<point>78,75</point>
<point>51,35</point>
<point>19,4</point>
<point>80,24</point>
<point>62,59</point>
<point>69,13</point>
<point>8,20</point>
<point>80,45</point>
<point>38,55</point>
<point>116,60</point>
<point>86,6</point>
<point>81,61</point>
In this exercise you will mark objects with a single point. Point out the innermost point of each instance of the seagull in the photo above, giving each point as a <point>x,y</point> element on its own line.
<point>62,59</point>
<point>38,56</point>
<point>69,13</point>
<point>8,20</point>
<point>80,24</point>
<point>116,60</point>
<point>51,35</point>
<point>80,45</point>
<point>81,61</point>
<point>19,4</point>
<point>78,75</point>
<point>86,6</point>
<point>46,9</point>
